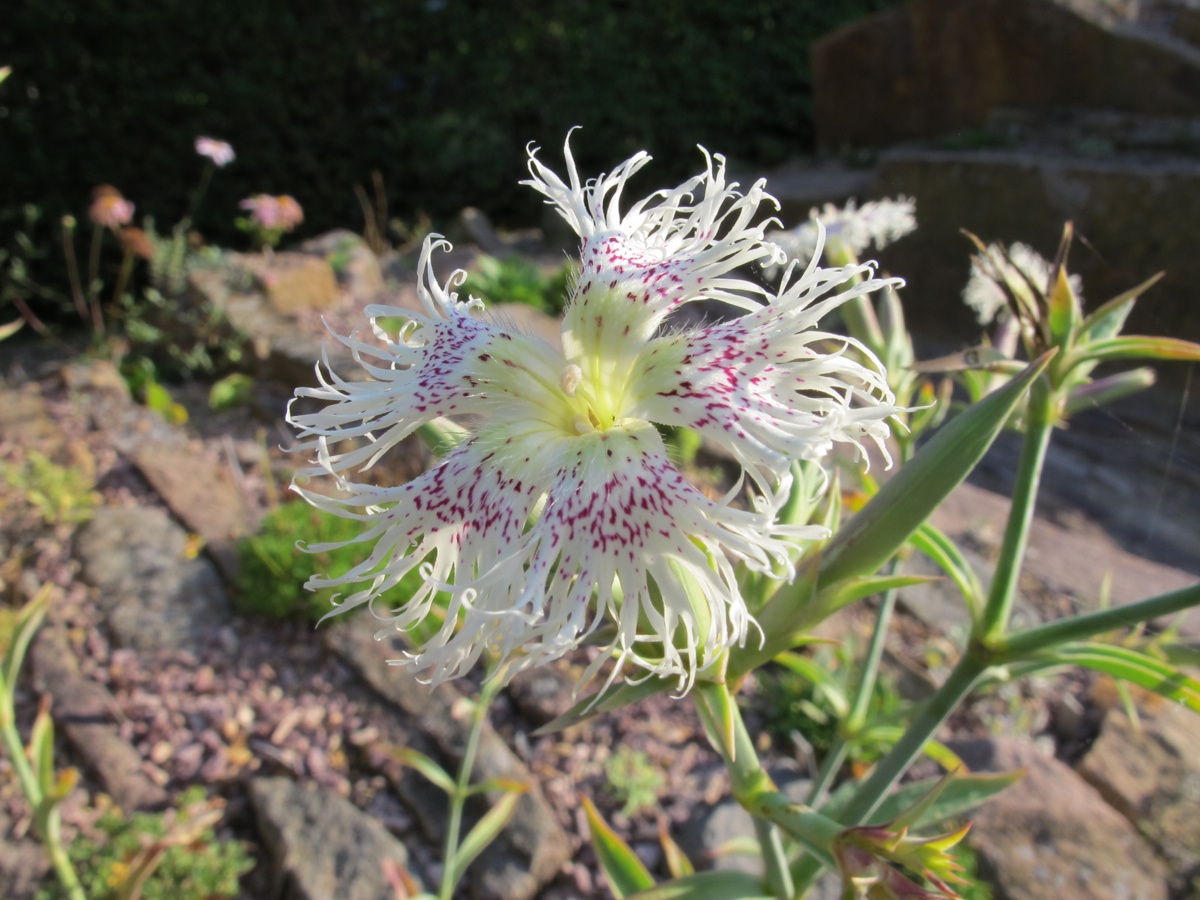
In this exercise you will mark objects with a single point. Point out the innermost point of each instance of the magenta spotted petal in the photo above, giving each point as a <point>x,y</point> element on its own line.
<point>560,511</point>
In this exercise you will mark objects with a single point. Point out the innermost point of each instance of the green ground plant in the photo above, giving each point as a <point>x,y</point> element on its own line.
<point>61,495</point>
<point>175,855</point>
<point>517,280</point>
<point>274,571</point>
<point>634,781</point>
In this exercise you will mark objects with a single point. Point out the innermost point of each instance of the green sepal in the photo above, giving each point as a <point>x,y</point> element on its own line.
<point>910,496</point>
<point>626,874</point>
<point>41,750</point>
<point>1065,314</point>
<point>715,885</point>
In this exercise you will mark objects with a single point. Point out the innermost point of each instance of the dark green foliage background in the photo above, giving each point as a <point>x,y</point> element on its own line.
<point>440,96</point>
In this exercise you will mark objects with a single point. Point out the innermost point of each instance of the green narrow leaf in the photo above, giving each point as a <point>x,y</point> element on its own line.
<point>909,497</point>
<point>820,678</point>
<point>626,873</point>
<point>847,592</point>
<point>485,831</point>
<point>678,863</point>
<point>935,750</point>
<point>497,784</point>
<point>417,760</point>
<point>948,557</point>
<point>1108,320</point>
<point>1134,666</point>
<point>11,328</point>
<point>963,794</point>
<point>1135,346</point>
<point>617,697</point>
<point>41,750</point>
<point>717,885</point>
<point>29,619</point>
<point>882,527</point>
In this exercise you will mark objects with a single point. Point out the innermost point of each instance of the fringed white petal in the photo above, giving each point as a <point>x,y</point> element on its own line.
<point>766,386</point>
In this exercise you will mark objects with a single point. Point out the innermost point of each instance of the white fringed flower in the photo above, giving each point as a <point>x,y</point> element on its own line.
<point>1021,268</point>
<point>874,224</point>
<point>561,510</point>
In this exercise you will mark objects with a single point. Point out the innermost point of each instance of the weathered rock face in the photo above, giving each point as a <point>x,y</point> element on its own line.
<point>155,594</point>
<point>1151,775</point>
<point>1133,211</point>
<point>935,66</point>
<point>322,845</point>
<point>1052,836</point>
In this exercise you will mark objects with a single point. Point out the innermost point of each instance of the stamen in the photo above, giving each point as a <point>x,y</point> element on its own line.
<point>569,379</point>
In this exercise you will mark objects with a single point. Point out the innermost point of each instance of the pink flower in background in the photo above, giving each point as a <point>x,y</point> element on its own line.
<point>280,213</point>
<point>109,209</point>
<point>218,151</point>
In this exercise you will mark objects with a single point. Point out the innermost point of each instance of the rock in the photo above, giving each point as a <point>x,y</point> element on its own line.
<point>24,866</point>
<point>532,849</point>
<point>1151,775</point>
<point>711,828</point>
<point>83,711</point>
<point>1064,571</point>
<point>287,353</point>
<point>1051,835</point>
<point>292,281</point>
<point>931,67</point>
<point>544,693</point>
<point>1133,210</point>
<point>202,495</point>
<point>353,263</point>
<point>154,592</point>
<point>321,845</point>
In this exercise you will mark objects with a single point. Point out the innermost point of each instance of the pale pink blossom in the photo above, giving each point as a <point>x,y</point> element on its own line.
<point>109,209</point>
<point>219,152</point>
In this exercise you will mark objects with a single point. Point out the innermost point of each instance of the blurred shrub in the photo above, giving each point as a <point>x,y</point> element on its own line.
<point>440,96</point>
<point>517,280</point>
<point>274,569</point>
<point>177,854</point>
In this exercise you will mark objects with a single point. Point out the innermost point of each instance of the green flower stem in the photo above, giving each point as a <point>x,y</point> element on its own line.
<point>727,732</point>
<point>462,789</point>
<point>961,681</point>
<point>1039,425</point>
<point>46,816</point>
<point>1023,644</point>
<point>857,716</point>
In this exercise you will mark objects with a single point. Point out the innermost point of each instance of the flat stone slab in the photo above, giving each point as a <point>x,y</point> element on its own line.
<point>83,711</point>
<point>1150,773</point>
<point>155,592</point>
<point>1051,835</point>
<point>322,845</point>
